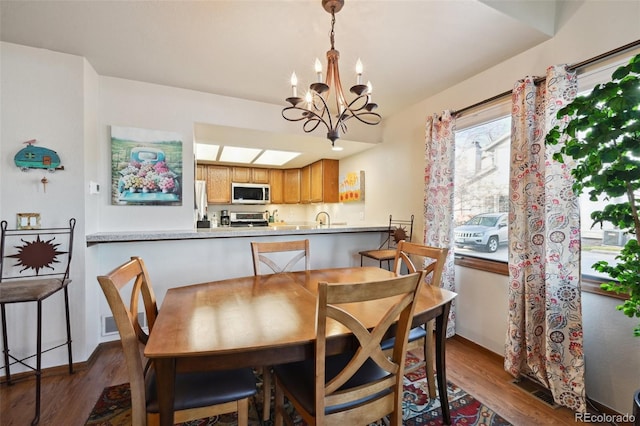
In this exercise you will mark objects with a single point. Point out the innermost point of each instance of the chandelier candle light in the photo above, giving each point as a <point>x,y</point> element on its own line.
<point>314,109</point>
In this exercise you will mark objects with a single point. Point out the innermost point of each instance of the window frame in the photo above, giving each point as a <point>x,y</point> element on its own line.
<point>587,78</point>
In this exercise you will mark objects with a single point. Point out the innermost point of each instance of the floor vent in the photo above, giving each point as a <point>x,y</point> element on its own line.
<point>109,324</point>
<point>539,391</point>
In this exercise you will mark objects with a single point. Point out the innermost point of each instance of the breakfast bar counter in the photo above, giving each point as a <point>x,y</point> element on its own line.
<point>276,229</point>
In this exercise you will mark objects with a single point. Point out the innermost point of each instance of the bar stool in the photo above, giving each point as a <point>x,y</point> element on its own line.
<point>34,265</point>
<point>396,232</point>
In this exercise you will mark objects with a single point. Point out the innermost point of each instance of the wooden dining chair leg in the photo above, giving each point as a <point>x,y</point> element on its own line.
<point>429,358</point>
<point>279,403</point>
<point>243,412</point>
<point>266,392</point>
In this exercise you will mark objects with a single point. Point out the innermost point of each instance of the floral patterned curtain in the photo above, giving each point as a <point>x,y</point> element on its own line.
<point>438,195</point>
<point>544,335</point>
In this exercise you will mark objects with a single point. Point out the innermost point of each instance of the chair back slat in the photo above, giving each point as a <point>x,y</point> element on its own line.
<point>432,260</point>
<point>34,254</point>
<point>398,230</point>
<point>274,255</point>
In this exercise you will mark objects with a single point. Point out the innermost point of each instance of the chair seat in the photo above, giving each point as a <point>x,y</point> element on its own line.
<point>416,333</point>
<point>200,389</point>
<point>379,254</point>
<point>299,379</point>
<point>30,290</point>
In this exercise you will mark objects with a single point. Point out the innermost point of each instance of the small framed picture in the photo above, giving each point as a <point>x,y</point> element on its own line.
<point>28,221</point>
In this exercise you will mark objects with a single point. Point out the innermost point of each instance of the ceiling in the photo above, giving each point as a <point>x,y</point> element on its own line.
<point>411,49</point>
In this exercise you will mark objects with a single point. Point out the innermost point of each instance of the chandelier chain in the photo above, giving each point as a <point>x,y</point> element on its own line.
<point>333,23</point>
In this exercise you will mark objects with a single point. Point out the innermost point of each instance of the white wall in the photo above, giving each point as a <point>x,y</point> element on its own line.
<point>59,100</point>
<point>43,98</point>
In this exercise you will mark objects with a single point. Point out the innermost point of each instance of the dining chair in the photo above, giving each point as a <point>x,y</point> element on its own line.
<point>359,386</point>
<point>398,230</point>
<point>270,254</point>
<point>197,394</point>
<point>431,260</point>
<point>34,265</point>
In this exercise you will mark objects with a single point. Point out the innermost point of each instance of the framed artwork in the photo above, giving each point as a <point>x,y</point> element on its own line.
<point>351,187</point>
<point>146,167</point>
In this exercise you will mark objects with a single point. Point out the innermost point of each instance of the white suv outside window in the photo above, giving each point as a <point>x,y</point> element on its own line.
<point>485,232</point>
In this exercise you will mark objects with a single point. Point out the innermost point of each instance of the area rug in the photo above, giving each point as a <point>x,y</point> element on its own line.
<point>113,408</point>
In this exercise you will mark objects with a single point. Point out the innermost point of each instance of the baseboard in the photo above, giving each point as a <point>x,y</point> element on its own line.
<point>63,369</point>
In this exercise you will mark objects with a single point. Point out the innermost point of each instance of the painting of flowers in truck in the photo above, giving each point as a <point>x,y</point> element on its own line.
<point>146,167</point>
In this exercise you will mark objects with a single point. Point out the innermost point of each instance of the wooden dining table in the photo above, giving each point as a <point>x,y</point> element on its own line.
<point>265,320</point>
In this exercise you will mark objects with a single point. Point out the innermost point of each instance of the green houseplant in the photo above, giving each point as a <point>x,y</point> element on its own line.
<point>603,137</point>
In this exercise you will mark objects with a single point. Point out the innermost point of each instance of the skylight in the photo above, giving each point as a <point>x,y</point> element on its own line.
<point>275,158</point>
<point>234,154</point>
<point>206,152</point>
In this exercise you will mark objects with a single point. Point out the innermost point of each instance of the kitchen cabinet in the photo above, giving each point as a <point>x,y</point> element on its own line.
<point>305,184</point>
<point>291,191</point>
<point>315,183</point>
<point>218,184</point>
<point>241,174</point>
<point>259,175</point>
<point>323,177</point>
<point>249,175</point>
<point>276,182</point>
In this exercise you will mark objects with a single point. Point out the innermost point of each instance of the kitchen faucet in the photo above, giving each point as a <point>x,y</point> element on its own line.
<point>328,218</point>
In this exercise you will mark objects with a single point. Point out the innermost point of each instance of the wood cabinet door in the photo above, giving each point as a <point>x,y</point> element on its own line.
<point>218,184</point>
<point>259,175</point>
<point>276,181</point>
<point>324,181</point>
<point>292,186</point>
<point>305,184</point>
<point>241,174</point>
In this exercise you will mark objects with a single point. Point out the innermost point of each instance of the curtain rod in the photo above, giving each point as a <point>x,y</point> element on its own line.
<point>570,68</point>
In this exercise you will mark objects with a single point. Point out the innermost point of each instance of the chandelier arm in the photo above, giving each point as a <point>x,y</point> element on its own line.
<point>316,122</point>
<point>350,106</point>
<point>307,115</point>
<point>325,110</point>
<point>376,118</point>
<point>302,116</point>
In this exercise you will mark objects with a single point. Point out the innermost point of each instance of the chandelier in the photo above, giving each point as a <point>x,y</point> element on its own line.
<point>314,109</point>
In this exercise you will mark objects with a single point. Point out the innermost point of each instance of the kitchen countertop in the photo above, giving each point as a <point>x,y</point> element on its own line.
<point>229,232</point>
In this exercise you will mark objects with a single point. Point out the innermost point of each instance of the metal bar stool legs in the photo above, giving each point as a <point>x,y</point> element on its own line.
<point>5,346</point>
<point>36,419</point>
<point>38,355</point>
<point>66,311</point>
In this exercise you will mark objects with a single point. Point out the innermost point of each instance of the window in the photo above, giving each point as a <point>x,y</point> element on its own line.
<point>481,198</point>
<point>482,193</point>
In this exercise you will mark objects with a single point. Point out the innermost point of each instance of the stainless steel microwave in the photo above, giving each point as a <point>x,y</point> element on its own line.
<point>250,193</point>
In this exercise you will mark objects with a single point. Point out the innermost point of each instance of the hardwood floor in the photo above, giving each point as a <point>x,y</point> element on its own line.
<point>68,399</point>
